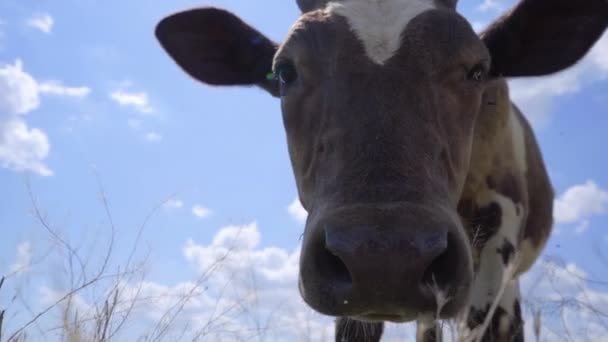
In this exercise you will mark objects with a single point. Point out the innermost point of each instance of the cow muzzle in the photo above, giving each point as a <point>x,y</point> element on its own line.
<point>385,262</point>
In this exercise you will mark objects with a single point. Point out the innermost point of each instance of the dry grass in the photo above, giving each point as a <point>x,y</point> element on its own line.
<point>104,302</point>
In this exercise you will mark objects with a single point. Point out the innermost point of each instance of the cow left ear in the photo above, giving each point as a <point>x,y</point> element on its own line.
<point>540,37</point>
<point>216,47</point>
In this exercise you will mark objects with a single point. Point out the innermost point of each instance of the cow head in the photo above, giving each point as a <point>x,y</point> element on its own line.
<point>379,101</point>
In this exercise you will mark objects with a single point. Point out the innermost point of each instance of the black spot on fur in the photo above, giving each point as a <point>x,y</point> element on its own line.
<point>430,336</point>
<point>515,332</point>
<point>506,251</point>
<point>476,317</point>
<point>350,330</point>
<point>518,323</point>
<point>507,185</point>
<point>490,216</point>
<point>483,223</point>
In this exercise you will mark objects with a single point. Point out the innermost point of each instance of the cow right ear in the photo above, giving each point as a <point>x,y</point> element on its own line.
<point>540,37</point>
<point>216,47</point>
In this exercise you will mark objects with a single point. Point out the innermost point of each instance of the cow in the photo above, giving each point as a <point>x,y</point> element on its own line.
<point>426,189</point>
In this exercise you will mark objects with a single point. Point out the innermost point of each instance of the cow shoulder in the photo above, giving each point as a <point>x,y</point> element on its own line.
<point>495,201</point>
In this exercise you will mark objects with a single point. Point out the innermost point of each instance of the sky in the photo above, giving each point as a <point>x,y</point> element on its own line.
<point>93,111</point>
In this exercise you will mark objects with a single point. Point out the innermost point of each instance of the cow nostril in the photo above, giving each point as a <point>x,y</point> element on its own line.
<point>437,274</point>
<point>330,265</point>
<point>332,268</point>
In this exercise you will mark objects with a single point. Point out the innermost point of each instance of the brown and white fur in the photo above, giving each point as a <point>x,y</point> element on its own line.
<point>426,189</point>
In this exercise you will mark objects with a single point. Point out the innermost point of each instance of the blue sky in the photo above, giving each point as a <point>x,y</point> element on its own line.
<point>87,96</point>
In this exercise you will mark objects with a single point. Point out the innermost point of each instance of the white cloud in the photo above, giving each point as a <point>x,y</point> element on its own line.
<point>135,100</point>
<point>173,204</point>
<point>42,22</point>
<point>238,249</point>
<point>23,259</point>
<point>57,88</point>
<point>18,90</point>
<point>246,236</point>
<point>536,95</point>
<point>138,123</point>
<point>243,290</point>
<point>166,296</point>
<point>487,5</point>
<point>599,55</point>
<point>153,137</point>
<point>76,303</point>
<point>568,303</point>
<point>200,211</point>
<point>262,284</point>
<point>579,203</point>
<point>297,211</point>
<point>478,26</point>
<point>240,261</point>
<point>21,148</point>
<point>582,227</point>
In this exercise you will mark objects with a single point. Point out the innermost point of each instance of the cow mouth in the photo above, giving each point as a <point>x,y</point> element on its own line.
<point>450,308</point>
<point>375,317</point>
<point>447,312</point>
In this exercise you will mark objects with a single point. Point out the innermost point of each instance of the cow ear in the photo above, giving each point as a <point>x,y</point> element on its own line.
<point>540,37</point>
<point>216,47</point>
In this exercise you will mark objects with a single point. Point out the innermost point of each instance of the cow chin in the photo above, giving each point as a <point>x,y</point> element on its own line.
<point>450,309</point>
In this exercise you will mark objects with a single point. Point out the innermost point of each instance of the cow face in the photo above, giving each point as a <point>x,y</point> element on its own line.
<point>379,102</point>
<point>379,123</point>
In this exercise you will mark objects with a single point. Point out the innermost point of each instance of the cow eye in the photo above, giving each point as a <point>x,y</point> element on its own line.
<point>286,73</point>
<point>478,73</point>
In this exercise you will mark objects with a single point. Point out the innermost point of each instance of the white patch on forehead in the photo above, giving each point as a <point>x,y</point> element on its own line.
<point>379,23</point>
